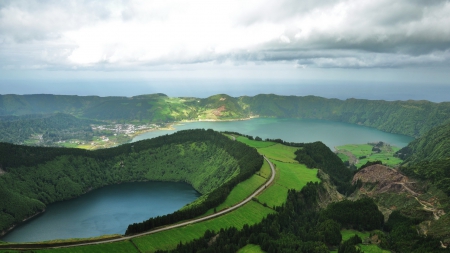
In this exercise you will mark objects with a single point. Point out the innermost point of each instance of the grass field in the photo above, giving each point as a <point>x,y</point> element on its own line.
<point>255,144</point>
<point>274,196</point>
<point>251,248</point>
<point>295,176</point>
<point>279,152</point>
<point>250,213</point>
<point>386,156</point>
<point>117,247</point>
<point>265,170</point>
<point>240,192</point>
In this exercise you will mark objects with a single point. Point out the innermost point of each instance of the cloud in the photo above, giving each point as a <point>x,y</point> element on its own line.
<point>129,34</point>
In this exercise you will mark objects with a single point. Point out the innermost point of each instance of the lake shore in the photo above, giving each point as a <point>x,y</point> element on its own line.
<point>5,231</point>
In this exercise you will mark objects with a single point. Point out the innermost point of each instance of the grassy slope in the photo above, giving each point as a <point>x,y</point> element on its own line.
<point>250,213</point>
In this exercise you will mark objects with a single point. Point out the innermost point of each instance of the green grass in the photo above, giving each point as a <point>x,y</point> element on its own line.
<point>251,248</point>
<point>343,157</point>
<point>295,176</point>
<point>371,248</point>
<point>265,170</point>
<point>255,144</point>
<point>274,196</point>
<point>386,156</point>
<point>240,192</point>
<point>117,247</point>
<point>347,233</point>
<point>279,152</point>
<point>250,213</point>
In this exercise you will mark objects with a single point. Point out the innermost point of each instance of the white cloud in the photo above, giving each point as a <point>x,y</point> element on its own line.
<point>139,34</point>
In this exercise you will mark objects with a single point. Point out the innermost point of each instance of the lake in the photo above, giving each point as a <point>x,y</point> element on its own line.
<point>295,130</point>
<point>108,210</point>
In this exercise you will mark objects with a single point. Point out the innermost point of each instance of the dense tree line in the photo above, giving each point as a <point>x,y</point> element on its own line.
<point>36,176</point>
<point>298,226</point>
<point>361,214</point>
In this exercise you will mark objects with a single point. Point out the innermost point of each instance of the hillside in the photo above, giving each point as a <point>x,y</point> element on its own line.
<point>396,193</point>
<point>432,146</point>
<point>413,118</point>
<point>35,176</point>
<point>44,129</point>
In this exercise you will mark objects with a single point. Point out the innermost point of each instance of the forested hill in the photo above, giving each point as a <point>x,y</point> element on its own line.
<point>36,176</point>
<point>44,128</point>
<point>432,146</point>
<point>413,118</point>
<point>428,157</point>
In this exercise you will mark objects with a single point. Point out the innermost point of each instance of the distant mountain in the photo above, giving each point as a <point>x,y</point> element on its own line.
<point>413,118</point>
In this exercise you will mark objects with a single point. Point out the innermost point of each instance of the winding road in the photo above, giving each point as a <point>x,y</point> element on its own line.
<point>123,238</point>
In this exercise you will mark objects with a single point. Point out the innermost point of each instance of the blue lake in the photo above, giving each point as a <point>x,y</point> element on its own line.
<point>108,210</point>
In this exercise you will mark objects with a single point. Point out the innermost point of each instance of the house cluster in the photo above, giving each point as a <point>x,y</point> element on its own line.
<point>123,128</point>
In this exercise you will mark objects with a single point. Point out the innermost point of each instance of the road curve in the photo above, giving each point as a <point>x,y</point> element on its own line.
<point>75,244</point>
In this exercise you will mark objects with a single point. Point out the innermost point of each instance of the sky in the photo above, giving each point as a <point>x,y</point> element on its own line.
<point>131,47</point>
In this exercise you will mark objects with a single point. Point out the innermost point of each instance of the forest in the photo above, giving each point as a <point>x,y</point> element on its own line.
<point>36,176</point>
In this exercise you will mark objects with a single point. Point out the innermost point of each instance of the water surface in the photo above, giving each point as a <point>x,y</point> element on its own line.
<point>108,210</point>
<point>295,130</point>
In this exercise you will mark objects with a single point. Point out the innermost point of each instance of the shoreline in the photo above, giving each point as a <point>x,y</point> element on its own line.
<point>6,231</point>
<point>171,126</point>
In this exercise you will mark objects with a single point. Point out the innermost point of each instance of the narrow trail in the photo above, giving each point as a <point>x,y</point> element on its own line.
<point>124,238</point>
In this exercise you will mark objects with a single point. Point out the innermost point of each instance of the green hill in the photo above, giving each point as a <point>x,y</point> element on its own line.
<point>36,176</point>
<point>432,146</point>
<point>428,157</point>
<point>44,128</point>
<point>413,118</point>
